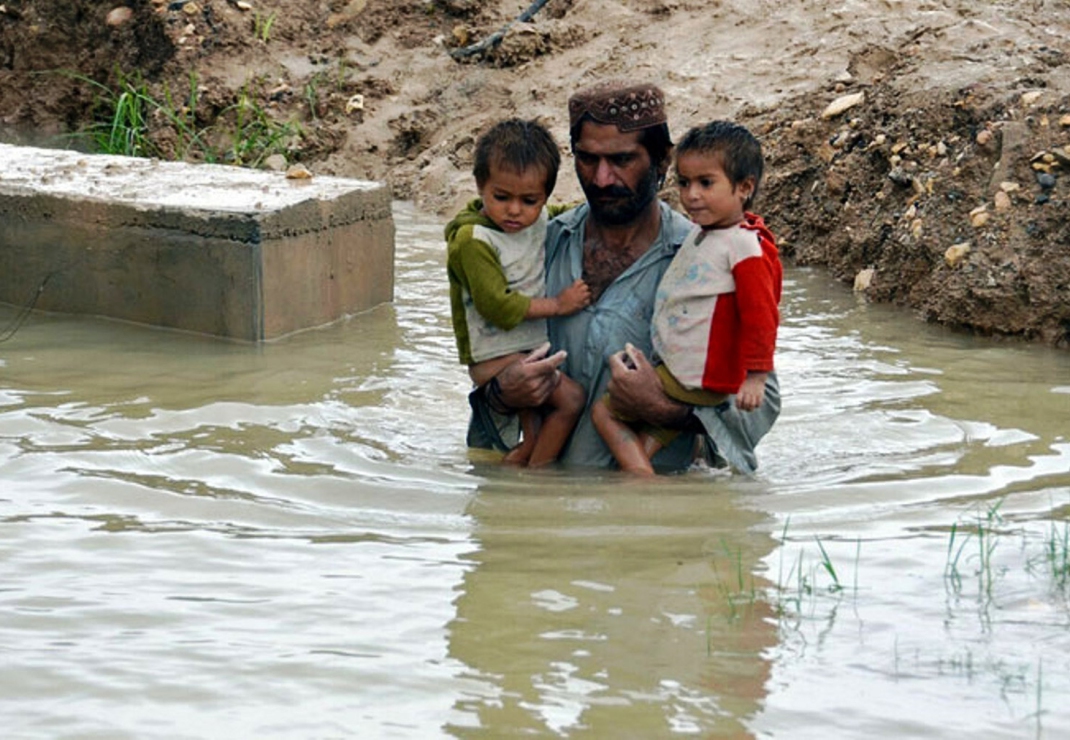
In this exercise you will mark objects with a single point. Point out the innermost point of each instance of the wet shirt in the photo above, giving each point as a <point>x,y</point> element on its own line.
<point>622,314</point>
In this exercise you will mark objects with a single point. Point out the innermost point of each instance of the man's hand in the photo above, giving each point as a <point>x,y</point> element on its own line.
<point>529,382</point>
<point>636,391</point>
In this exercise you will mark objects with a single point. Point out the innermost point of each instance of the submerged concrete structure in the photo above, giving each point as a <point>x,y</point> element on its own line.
<point>219,250</point>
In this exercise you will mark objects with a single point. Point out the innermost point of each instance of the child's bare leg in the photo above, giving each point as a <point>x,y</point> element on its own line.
<point>566,404</point>
<point>530,420</point>
<point>627,447</point>
<point>651,446</point>
<point>482,372</point>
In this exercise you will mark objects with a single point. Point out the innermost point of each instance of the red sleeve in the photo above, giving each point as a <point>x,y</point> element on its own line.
<point>758,281</point>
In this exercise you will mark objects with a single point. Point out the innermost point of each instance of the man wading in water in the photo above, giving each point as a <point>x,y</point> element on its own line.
<point>620,242</point>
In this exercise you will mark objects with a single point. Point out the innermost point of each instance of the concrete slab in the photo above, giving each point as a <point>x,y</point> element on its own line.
<point>219,250</point>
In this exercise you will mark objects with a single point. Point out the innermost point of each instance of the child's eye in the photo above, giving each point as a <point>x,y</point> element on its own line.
<point>681,182</point>
<point>706,182</point>
<point>530,201</point>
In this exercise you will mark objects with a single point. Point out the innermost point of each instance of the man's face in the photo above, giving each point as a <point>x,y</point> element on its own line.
<point>615,172</point>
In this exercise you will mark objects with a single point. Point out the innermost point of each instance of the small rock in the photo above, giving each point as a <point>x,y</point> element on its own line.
<point>916,227</point>
<point>1041,199</point>
<point>275,162</point>
<point>1046,180</point>
<point>355,103</point>
<point>900,177</point>
<point>191,9</point>
<point>840,139</point>
<point>1002,201</point>
<point>941,149</point>
<point>956,253</point>
<point>984,137</point>
<point>979,216</point>
<point>842,104</point>
<point>880,139</point>
<point>242,5</point>
<point>1009,187</point>
<point>864,279</point>
<point>298,172</point>
<point>118,16</point>
<point>1028,98</point>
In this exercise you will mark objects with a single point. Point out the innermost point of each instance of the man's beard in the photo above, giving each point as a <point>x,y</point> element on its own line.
<point>622,205</point>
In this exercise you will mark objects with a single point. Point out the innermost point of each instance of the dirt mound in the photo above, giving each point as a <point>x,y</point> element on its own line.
<point>941,184</point>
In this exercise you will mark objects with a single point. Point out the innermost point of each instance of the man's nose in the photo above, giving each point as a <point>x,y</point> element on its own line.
<point>604,174</point>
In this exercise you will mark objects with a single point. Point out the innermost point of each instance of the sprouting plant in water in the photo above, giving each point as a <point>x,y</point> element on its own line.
<point>738,590</point>
<point>803,580</point>
<point>985,531</point>
<point>1054,559</point>
<point>826,563</point>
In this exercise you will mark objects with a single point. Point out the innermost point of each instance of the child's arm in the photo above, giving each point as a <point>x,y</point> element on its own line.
<point>570,300</point>
<point>479,271</point>
<point>756,292</point>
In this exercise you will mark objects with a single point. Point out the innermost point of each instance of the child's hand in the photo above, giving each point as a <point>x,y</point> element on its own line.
<point>573,298</point>
<point>752,392</point>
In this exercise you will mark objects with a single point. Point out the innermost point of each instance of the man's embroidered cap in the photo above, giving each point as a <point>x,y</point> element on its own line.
<point>626,105</point>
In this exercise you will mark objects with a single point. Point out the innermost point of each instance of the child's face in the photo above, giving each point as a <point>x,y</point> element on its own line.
<point>514,200</point>
<point>706,193</point>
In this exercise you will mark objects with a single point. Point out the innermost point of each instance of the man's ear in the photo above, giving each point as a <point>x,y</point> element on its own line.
<point>663,168</point>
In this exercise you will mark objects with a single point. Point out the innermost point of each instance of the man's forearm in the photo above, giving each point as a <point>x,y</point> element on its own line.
<point>667,412</point>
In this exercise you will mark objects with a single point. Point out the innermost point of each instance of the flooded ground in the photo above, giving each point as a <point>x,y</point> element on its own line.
<point>203,539</point>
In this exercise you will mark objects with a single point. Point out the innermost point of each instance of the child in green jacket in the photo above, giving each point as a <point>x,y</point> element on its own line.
<point>495,262</point>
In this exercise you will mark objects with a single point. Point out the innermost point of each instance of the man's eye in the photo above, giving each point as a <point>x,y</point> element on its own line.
<point>621,160</point>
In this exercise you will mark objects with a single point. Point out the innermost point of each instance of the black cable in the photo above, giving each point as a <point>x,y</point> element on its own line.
<point>16,323</point>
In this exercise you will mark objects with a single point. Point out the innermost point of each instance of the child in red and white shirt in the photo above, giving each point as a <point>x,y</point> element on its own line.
<point>716,310</point>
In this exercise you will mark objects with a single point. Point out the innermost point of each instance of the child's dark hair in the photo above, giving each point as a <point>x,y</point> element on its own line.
<point>740,151</point>
<point>517,145</point>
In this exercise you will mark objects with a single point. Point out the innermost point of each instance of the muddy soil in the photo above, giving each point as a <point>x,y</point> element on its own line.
<point>920,150</point>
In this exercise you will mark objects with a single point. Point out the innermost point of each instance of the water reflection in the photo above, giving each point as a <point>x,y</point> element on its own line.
<point>596,605</point>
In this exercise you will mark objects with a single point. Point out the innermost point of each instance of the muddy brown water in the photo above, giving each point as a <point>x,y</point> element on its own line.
<point>204,539</point>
